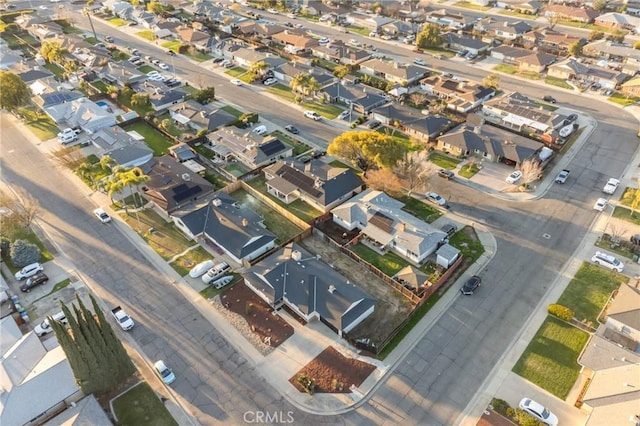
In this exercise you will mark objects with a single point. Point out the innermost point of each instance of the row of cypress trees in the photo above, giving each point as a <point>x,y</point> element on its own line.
<point>97,357</point>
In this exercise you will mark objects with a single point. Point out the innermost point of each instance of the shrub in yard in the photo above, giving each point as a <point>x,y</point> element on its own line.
<point>308,383</point>
<point>522,418</point>
<point>500,406</point>
<point>5,246</point>
<point>561,312</point>
<point>23,253</point>
<point>337,385</point>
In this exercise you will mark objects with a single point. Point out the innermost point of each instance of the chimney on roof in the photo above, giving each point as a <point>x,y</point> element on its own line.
<point>296,255</point>
<point>477,129</point>
<point>245,222</point>
<point>403,227</point>
<point>217,202</point>
<point>332,288</point>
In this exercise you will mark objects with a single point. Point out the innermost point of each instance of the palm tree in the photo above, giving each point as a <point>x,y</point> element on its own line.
<point>257,69</point>
<point>299,82</point>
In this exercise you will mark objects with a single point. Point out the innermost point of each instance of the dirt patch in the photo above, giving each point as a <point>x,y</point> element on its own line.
<point>336,232</point>
<point>391,308</point>
<point>333,373</point>
<point>254,317</point>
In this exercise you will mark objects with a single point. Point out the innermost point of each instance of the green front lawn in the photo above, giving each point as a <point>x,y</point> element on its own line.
<point>282,91</point>
<point>155,140</point>
<point>146,69</point>
<point>236,72</point>
<point>471,248</point>
<point>550,360</point>
<point>444,161</point>
<point>162,236</point>
<point>91,40</point>
<point>146,34</point>
<point>298,207</point>
<point>40,124</point>
<point>507,69</point>
<point>274,221</point>
<point>298,147</point>
<point>626,214</point>
<point>390,263</point>
<point>558,82</point>
<point>419,209</point>
<point>469,170</point>
<point>117,22</point>
<point>141,406</point>
<point>183,264</point>
<point>198,56</point>
<point>359,30</point>
<point>528,16</point>
<point>56,70</point>
<point>231,110</point>
<point>326,110</point>
<point>589,290</point>
<point>173,45</point>
<point>623,100</point>
<point>473,6</point>
<point>100,85</point>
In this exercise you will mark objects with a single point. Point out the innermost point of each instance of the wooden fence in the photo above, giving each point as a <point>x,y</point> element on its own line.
<point>274,205</point>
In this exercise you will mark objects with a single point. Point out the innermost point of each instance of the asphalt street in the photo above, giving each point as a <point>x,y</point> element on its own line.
<point>437,379</point>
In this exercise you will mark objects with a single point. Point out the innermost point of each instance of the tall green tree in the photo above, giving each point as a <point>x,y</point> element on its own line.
<point>257,70</point>
<point>14,92</point>
<point>632,196</point>
<point>367,149</point>
<point>97,358</point>
<point>429,36</point>
<point>52,51</point>
<point>575,48</point>
<point>491,80</point>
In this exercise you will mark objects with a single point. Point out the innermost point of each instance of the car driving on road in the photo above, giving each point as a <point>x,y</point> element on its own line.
<point>312,115</point>
<point>611,186</point>
<point>102,215</point>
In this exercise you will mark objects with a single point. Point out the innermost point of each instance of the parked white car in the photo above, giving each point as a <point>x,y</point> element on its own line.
<point>102,215</point>
<point>163,66</point>
<point>29,271</point>
<point>200,268</point>
<point>45,328</point>
<point>260,130</point>
<point>215,272</point>
<point>608,261</point>
<point>600,204</point>
<point>611,186</point>
<point>236,82</point>
<point>538,411</point>
<point>514,177</point>
<point>312,115</point>
<point>164,372</point>
<point>436,199</point>
<point>270,82</point>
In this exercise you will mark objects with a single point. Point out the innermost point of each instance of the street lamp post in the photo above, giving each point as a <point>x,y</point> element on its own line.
<point>86,12</point>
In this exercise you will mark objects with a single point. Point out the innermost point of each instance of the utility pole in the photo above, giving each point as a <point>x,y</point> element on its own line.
<point>86,12</point>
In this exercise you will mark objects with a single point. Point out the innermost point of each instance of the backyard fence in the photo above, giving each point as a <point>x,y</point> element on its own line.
<point>274,205</point>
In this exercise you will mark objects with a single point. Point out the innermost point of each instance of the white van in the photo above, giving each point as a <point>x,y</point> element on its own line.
<point>45,328</point>
<point>215,272</point>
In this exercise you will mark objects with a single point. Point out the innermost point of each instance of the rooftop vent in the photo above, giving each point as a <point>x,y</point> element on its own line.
<point>296,255</point>
<point>332,288</point>
<point>217,202</point>
<point>186,177</point>
<point>245,222</point>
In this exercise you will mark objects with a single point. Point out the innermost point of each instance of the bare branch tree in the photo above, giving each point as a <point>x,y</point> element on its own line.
<point>531,171</point>
<point>383,180</point>
<point>70,157</point>
<point>616,231</point>
<point>27,207</point>
<point>412,169</point>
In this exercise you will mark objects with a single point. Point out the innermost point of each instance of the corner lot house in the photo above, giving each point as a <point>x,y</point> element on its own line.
<point>311,288</point>
<point>386,227</point>
<point>316,183</point>
<point>237,230</point>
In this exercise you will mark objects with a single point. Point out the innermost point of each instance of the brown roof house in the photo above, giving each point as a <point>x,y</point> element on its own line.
<point>317,183</point>
<point>172,186</point>
<point>516,111</point>
<point>294,42</point>
<point>340,52</point>
<point>198,117</point>
<point>226,145</point>
<point>571,69</point>
<point>488,142</point>
<point>631,87</point>
<point>195,38</point>
<point>549,41</point>
<point>571,13</point>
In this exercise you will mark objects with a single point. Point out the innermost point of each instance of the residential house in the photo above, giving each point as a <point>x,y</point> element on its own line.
<point>127,149</point>
<point>172,186</point>
<point>340,53</point>
<point>36,74</point>
<point>287,72</point>
<point>428,127</point>
<point>223,222</point>
<point>385,226</point>
<point>162,98</point>
<point>198,117</point>
<point>182,152</point>
<point>631,87</point>
<point>259,30</point>
<point>394,72</point>
<point>521,6</point>
<point>488,142</point>
<point>570,13</point>
<point>144,18</point>
<point>358,97</point>
<point>611,360</point>
<point>37,381</point>
<point>294,42</point>
<point>410,12</point>
<point>45,30</point>
<point>120,9</point>
<point>411,121</point>
<point>317,183</point>
<point>516,111</point>
<point>227,145</point>
<point>506,30</point>
<point>571,69</point>
<point>195,38</point>
<point>620,56</point>
<point>397,29</point>
<point>248,57</point>
<point>51,97</point>
<point>549,41</point>
<point>524,59</point>
<point>166,29</point>
<point>121,73</point>
<point>203,8</point>
<point>447,19</point>
<point>82,113</point>
<point>369,22</point>
<point>8,58</point>
<point>461,96</point>
<point>457,42</point>
<point>619,21</point>
<point>315,291</point>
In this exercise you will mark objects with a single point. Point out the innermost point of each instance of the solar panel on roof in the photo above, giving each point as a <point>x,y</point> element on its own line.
<point>381,221</point>
<point>272,147</point>
<point>300,180</point>
<point>182,192</point>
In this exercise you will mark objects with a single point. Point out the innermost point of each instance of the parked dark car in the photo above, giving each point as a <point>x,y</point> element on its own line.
<point>374,124</point>
<point>305,159</point>
<point>292,129</point>
<point>34,281</point>
<point>218,60</point>
<point>447,174</point>
<point>317,153</point>
<point>171,53</point>
<point>635,239</point>
<point>571,118</point>
<point>549,99</point>
<point>471,285</point>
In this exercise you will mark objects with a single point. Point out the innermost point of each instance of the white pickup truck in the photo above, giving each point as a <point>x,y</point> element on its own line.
<point>124,320</point>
